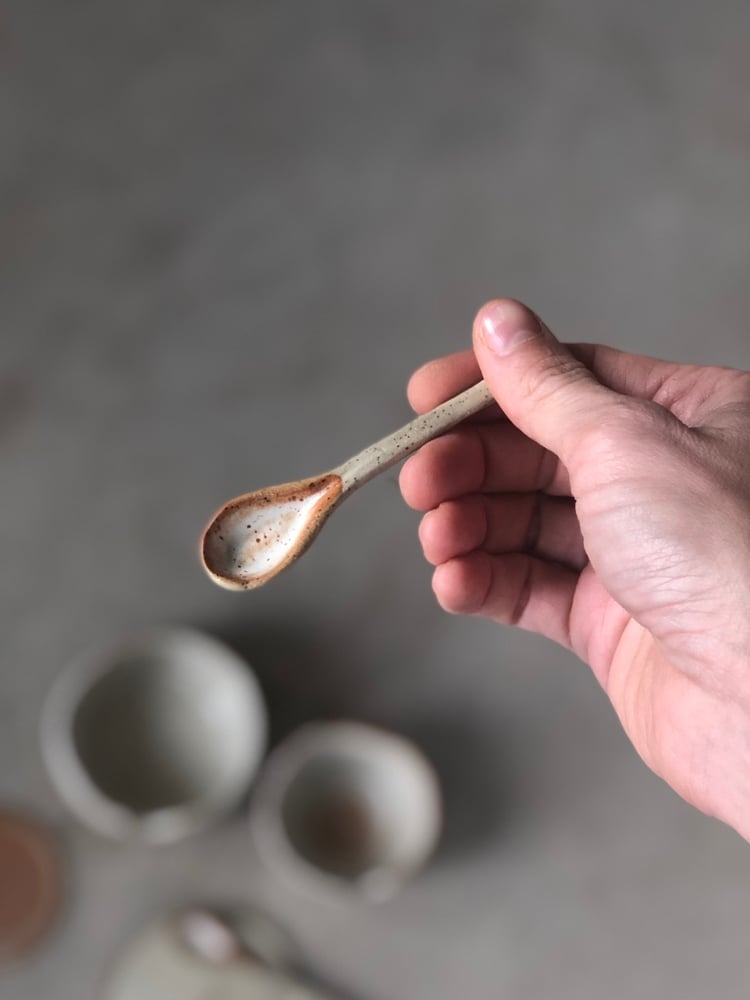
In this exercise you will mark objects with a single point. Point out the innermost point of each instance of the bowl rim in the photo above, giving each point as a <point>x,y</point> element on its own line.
<point>71,779</point>
<point>285,762</point>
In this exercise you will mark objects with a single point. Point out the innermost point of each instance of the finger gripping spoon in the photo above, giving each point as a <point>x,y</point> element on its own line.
<point>257,535</point>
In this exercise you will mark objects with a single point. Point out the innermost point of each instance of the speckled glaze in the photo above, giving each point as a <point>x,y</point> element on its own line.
<point>255,536</point>
<point>378,457</point>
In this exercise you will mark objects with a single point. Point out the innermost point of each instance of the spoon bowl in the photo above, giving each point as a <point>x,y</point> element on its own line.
<point>256,536</point>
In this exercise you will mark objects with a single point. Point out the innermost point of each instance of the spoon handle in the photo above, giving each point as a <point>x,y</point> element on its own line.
<point>378,457</point>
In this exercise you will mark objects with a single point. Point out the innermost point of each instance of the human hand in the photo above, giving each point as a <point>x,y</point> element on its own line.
<point>607,507</point>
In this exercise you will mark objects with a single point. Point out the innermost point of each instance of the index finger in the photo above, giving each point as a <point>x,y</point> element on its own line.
<point>443,378</point>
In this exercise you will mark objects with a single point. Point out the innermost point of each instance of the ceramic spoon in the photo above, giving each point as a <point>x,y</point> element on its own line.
<point>255,536</point>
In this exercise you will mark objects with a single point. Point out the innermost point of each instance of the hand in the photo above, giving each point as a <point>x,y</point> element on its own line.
<point>605,506</point>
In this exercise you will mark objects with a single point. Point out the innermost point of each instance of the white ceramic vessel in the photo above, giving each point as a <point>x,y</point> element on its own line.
<point>156,737</point>
<point>346,806</point>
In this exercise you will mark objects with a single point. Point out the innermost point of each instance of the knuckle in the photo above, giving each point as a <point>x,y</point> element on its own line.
<point>611,431</point>
<point>552,375</point>
<point>741,387</point>
<point>719,393</point>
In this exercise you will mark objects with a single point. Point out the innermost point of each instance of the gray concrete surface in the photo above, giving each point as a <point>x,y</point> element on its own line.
<point>229,232</point>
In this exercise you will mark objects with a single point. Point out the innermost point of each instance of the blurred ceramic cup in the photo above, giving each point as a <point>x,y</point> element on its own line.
<point>156,738</point>
<point>346,805</point>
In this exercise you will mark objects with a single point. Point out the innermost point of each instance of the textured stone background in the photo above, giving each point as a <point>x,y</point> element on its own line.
<point>228,233</point>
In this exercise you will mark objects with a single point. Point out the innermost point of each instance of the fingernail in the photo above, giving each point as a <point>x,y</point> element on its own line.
<point>505,326</point>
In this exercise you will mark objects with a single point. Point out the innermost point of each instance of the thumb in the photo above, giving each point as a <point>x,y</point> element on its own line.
<point>542,388</point>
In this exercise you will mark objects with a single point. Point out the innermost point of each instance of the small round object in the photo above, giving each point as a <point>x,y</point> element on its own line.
<point>347,805</point>
<point>30,884</point>
<point>156,737</point>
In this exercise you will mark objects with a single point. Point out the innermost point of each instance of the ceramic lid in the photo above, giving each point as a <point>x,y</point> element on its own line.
<point>190,956</point>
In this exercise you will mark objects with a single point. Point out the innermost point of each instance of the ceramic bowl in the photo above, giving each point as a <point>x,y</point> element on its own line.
<point>346,806</point>
<point>156,737</point>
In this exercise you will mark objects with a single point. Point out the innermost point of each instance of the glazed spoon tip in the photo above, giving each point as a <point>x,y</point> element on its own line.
<point>257,535</point>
